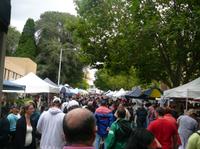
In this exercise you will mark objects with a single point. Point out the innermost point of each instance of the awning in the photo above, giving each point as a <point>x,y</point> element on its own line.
<point>9,86</point>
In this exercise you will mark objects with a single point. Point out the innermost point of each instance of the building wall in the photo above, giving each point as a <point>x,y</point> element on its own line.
<point>16,67</point>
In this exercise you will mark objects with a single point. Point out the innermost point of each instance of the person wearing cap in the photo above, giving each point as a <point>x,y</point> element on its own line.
<point>50,127</point>
<point>104,120</point>
<point>80,128</point>
<point>187,126</point>
<point>72,104</point>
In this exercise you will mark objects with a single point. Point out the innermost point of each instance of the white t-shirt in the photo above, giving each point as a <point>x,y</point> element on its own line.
<point>28,139</point>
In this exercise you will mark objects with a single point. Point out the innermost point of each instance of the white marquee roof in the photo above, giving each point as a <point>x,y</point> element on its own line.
<point>34,84</point>
<point>189,90</point>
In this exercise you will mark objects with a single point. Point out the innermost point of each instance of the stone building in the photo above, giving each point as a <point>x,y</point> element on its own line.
<point>16,67</point>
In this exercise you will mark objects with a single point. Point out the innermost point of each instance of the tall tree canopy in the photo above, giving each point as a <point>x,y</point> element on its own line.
<point>27,46</point>
<point>12,40</point>
<point>52,36</point>
<point>160,39</point>
<point>105,80</point>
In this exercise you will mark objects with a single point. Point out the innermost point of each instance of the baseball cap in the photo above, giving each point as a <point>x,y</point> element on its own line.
<point>56,99</point>
<point>72,103</point>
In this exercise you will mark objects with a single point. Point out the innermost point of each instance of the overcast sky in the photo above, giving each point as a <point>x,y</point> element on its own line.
<point>24,9</point>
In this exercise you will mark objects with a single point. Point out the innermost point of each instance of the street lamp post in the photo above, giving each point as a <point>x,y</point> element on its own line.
<point>59,69</point>
<point>59,27</point>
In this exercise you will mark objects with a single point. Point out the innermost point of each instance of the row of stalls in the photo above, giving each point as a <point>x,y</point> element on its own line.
<point>32,86</point>
<point>136,92</point>
<point>189,92</point>
<point>136,96</point>
<point>185,96</point>
<point>182,97</point>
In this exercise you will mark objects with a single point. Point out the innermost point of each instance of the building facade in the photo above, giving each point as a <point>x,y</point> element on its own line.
<point>17,67</point>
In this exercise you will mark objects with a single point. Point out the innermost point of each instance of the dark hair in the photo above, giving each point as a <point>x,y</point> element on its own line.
<point>104,102</point>
<point>168,110</point>
<point>160,111</point>
<point>140,139</point>
<point>4,112</point>
<point>42,108</point>
<point>56,104</point>
<point>14,107</point>
<point>66,109</point>
<point>82,132</point>
<point>121,112</point>
<point>90,107</point>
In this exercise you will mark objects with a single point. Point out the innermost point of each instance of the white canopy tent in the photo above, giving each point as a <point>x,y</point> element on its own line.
<point>82,92</point>
<point>34,84</point>
<point>50,82</point>
<point>189,90</point>
<point>110,93</point>
<point>74,91</point>
<point>120,93</point>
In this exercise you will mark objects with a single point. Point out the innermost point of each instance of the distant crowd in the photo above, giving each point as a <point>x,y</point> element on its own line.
<point>97,122</point>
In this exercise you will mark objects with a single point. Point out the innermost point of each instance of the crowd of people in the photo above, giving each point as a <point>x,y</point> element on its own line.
<point>97,122</point>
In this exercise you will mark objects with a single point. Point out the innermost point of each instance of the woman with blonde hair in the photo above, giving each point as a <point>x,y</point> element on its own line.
<point>25,129</point>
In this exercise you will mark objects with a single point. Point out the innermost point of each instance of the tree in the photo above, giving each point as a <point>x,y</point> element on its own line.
<point>105,80</point>
<point>12,41</point>
<point>173,35</point>
<point>160,39</point>
<point>27,46</point>
<point>52,36</point>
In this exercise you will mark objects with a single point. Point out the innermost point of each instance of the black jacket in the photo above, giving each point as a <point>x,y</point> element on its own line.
<point>21,134</point>
<point>4,131</point>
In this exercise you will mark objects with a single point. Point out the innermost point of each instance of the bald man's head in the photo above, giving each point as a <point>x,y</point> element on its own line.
<point>79,127</point>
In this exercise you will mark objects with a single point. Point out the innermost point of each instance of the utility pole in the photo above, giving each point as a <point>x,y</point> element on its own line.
<point>59,69</point>
<point>59,28</point>
<point>5,11</point>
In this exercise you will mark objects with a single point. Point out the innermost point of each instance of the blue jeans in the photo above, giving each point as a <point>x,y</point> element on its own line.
<point>97,141</point>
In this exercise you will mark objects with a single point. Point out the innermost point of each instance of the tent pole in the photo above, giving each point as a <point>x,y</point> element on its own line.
<point>187,101</point>
<point>48,100</point>
<point>168,102</point>
<point>187,104</point>
<point>24,94</point>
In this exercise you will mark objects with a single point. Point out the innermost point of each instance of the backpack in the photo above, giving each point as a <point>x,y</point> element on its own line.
<point>124,130</point>
<point>142,114</point>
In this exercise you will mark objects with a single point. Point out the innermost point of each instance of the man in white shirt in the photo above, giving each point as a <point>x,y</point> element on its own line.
<point>50,126</point>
